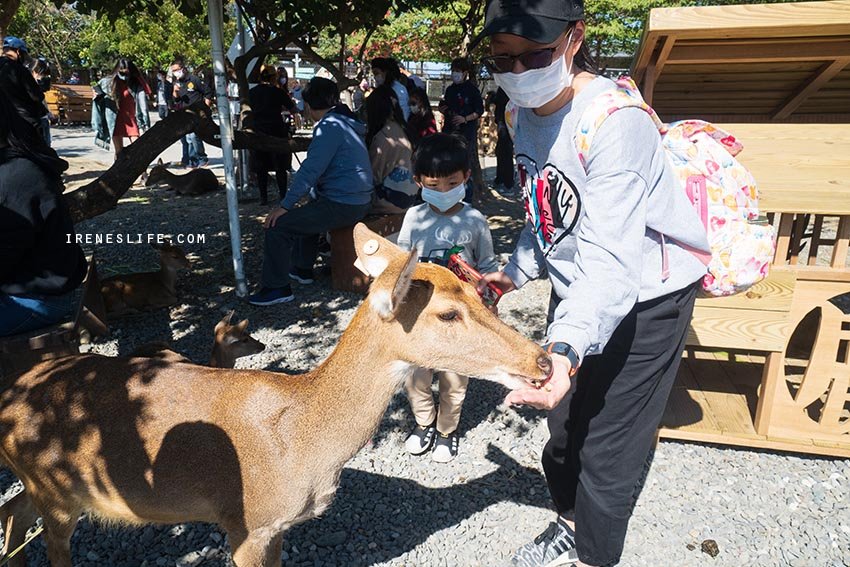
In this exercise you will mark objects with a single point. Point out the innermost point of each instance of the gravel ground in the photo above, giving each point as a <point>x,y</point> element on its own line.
<point>391,509</point>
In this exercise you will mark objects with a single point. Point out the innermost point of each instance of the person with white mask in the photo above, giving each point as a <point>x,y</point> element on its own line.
<point>605,232</point>
<point>387,72</point>
<point>442,223</point>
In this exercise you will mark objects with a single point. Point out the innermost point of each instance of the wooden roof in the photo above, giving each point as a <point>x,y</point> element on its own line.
<point>755,63</point>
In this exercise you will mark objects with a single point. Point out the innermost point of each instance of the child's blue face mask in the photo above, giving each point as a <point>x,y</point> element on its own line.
<point>444,200</point>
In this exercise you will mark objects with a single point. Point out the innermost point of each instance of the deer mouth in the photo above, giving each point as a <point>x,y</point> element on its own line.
<point>519,381</point>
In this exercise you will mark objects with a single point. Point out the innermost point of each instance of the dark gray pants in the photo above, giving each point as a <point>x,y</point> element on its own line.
<point>603,430</point>
<point>294,239</point>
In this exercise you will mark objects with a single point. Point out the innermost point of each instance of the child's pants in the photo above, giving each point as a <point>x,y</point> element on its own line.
<point>452,393</point>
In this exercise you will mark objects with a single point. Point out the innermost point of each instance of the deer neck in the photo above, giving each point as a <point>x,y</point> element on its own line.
<point>168,277</point>
<point>221,359</point>
<point>354,386</point>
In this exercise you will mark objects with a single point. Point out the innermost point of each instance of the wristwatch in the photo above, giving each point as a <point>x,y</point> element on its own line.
<point>566,350</point>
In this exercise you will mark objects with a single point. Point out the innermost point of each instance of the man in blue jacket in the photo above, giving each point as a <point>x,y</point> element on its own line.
<point>338,167</point>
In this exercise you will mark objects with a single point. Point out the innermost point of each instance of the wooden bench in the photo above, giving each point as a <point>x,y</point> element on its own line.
<point>770,368</point>
<point>18,352</point>
<point>344,276</point>
<point>70,103</point>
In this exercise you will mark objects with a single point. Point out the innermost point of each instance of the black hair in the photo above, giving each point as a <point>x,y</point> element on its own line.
<point>19,138</point>
<point>389,67</point>
<point>135,80</point>
<point>441,155</point>
<point>461,64</point>
<point>178,60</point>
<point>382,105</point>
<point>421,95</point>
<point>321,93</point>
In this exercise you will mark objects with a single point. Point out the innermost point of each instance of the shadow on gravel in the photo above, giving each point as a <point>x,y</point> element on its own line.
<point>366,500</point>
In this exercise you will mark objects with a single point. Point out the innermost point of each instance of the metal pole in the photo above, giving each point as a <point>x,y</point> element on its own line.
<point>226,128</point>
<point>243,154</point>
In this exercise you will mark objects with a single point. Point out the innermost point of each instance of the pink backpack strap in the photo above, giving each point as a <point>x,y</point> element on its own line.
<point>626,95</point>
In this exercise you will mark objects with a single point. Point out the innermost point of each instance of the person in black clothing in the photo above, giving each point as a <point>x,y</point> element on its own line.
<point>187,90</point>
<point>462,106</point>
<point>18,85</point>
<point>164,93</point>
<point>504,181</point>
<point>40,264</point>
<point>268,103</point>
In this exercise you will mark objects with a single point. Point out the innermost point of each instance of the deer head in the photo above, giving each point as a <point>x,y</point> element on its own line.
<point>170,256</point>
<point>232,342</point>
<point>157,174</point>
<point>434,320</point>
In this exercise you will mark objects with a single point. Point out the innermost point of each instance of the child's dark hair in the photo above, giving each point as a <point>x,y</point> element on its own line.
<point>440,155</point>
<point>461,64</point>
<point>321,93</point>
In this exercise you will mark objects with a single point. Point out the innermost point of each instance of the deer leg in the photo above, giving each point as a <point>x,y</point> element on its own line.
<point>17,516</point>
<point>58,528</point>
<point>262,548</point>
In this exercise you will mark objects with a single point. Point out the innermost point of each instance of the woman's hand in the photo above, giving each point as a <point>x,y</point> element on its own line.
<point>457,120</point>
<point>499,279</point>
<point>551,394</point>
<point>272,217</point>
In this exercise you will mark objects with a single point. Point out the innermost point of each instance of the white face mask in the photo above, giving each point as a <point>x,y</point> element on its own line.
<point>536,87</point>
<point>457,77</point>
<point>122,76</point>
<point>415,109</point>
<point>444,200</point>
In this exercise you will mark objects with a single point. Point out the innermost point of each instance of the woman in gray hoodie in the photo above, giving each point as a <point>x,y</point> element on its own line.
<point>604,233</point>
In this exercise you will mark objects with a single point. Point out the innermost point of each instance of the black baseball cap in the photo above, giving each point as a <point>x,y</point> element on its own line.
<point>541,21</point>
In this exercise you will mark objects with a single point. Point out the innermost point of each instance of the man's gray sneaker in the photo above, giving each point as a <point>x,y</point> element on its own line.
<point>555,547</point>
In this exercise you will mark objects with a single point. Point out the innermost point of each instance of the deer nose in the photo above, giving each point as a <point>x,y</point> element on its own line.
<point>544,363</point>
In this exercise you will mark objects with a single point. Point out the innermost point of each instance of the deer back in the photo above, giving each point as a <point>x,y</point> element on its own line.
<point>145,290</point>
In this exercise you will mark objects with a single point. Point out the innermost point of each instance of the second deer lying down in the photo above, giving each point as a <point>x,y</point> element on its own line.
<point>133,293</point>
<point>196,182</point>
<point>231,342</point>
<point>135,440</point>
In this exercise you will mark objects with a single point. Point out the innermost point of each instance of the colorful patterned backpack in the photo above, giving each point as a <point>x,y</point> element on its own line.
<point>722,190</point>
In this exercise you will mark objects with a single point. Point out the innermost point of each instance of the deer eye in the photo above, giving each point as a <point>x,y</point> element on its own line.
<point>449,315</point>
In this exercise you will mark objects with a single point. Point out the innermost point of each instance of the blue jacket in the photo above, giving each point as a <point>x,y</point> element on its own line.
<point>337,162</point>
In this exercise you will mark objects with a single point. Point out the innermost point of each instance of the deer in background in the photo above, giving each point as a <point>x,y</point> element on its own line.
<point>143,291</point>
<point>196,182</point>
<point>231,342</point>
<point>135,440</point>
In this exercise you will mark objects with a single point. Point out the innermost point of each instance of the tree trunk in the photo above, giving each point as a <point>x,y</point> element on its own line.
<point>103,193</point>
<point>8,8</point>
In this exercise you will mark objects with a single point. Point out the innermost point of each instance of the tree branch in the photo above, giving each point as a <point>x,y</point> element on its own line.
<point>312,55</point>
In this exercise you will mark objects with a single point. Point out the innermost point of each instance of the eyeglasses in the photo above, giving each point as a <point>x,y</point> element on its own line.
<point>534,59</point>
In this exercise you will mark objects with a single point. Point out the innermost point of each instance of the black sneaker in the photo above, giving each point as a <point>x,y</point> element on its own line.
<point>555,547</point>
<point>445,448</point>
<point>301,276</point>
<point>271,296</point>
<point>421,439</point>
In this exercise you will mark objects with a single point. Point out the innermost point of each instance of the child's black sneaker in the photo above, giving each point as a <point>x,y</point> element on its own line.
<point>421,439</point>
<point>445,448</point>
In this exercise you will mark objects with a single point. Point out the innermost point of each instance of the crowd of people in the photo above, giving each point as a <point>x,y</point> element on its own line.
<point>604,230</point>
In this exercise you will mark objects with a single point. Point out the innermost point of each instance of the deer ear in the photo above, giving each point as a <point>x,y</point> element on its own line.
<point>374,253</point>
<point>242,325</point>
<point>159,162</point>
<point>385,300</point>
<point>224,321</point>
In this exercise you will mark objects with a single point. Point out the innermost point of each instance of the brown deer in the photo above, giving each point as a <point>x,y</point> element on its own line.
<point>196,182</point>
<point>137,440</point>
<point>143,291</point>
<point>231,342</point>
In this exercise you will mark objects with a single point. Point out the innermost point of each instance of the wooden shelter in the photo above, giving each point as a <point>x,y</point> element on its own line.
<point>769,368</point>
<point>785,62</point>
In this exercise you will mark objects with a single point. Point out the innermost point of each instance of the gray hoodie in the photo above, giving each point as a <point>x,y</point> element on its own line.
<point>598,234</point>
